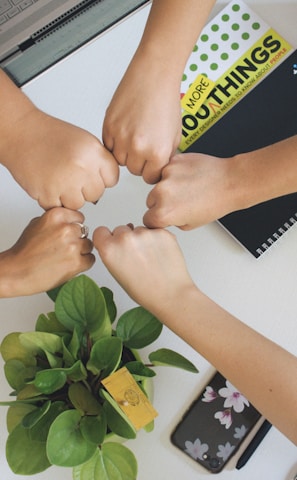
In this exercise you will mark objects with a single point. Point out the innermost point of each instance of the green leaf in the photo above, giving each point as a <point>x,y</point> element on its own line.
<point>55,361</point>
<point>83,400</point>
<point>117,421</point>
<point>112,461</point>
<point>111,306</point>
<point>77,372</point>
<point>34,416</point>
<point>74,345</point>
<point>26,447</point>
<point>138,328</point>
<point>19,452</point>
<point>66,446</point>
<point>80,304</point>
<point>29,392</point>
<point>149,427</point>
<point>16,412</point>
<point>17,374</point>
<point>166,357</point>
<point>40,430</point>
<point>105,356</point>
<point>11,348</point>
<point>139,370</point>
<point>94,429</point>
<point>49,324</point>
<point>53,293</point>
<point>68,358</point>
<point>49,381</point>
<point>49,343</point>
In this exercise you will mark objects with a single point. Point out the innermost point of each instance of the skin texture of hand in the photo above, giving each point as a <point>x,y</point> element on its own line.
<point>195,189</point>
<point>150,266</point>
<point>48,253</point>
<point>59,164</point>
<point>55,162</point>
<point>142,130</point>
<point>142,127</point>
<point>138,259</point>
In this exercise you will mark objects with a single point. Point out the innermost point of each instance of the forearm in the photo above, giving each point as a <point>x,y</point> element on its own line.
<point>14,106</point>
<point>13,275</point>
<point>171,31</point>
<point>266,173</point>
<point>260,369</point>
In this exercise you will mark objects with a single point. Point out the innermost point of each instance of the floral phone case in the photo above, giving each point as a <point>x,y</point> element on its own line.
<point>216,423</point>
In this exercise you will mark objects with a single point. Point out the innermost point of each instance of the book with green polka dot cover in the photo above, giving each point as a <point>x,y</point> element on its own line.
<point>252,104</point>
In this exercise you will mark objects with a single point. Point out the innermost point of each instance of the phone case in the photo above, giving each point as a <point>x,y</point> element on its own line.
<point>215,425</point>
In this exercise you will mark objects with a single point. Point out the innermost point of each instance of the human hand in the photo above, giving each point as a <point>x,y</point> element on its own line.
<point>148,264</point>
<point>57,163</point>
<point>49,252</point>
<point>195,189</point>
<point>142,126</point>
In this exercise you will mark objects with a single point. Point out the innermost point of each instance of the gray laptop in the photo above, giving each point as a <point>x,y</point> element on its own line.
<point>35,34</point>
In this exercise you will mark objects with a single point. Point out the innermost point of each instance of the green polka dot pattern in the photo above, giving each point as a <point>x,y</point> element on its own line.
<point>224,39</point>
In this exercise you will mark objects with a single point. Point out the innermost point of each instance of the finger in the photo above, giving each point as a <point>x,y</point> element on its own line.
<point>83,230</point>
<point>135,165</point>
<point>101,235</point>
<point>120,154</point>
<point>153,219</point>
<point>73,200</point>
<point>123,230</point>
<point>110,171</point>
<point>93,191</point>
<point>68,215</point>
<point>151,198</point>
<point>49,203</point>
<point>107,138</point>
<point>151,174</point>
<point>87,261</point>
<point>86,246</point>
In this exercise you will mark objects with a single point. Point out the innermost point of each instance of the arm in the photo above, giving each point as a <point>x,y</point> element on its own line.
<point>56,163</point>
<point>150,267</point>
<point>196,189</point>
<point>142,126</point>
<point>49,252</point>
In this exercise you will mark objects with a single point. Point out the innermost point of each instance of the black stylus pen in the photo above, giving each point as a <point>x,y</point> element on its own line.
<point>257,439</point>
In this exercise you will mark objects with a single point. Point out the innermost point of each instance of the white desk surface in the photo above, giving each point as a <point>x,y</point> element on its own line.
<point>261,292</point>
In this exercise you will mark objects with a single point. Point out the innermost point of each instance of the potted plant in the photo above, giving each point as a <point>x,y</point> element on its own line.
<point>73,406</point>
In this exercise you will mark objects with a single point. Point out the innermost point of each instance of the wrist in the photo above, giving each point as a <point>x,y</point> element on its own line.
<point>266,173</point>
<point>160,62</point>
<point>175,307</point>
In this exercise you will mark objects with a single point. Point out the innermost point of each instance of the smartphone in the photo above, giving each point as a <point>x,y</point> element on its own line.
<point>215,425</point>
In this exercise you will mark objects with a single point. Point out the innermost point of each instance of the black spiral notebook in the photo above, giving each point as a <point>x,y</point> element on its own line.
<point>267,114</point>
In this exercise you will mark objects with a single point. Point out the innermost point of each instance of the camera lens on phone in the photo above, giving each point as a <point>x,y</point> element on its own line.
<point>214,463</point>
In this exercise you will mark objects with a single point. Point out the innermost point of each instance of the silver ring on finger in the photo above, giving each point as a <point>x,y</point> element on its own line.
<point>83,229</point>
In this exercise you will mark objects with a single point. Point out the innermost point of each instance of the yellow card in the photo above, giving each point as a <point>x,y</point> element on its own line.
<point>130,398</point>
<point>197,94</point>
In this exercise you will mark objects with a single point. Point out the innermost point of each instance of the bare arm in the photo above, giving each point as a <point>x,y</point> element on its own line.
<point>142,126</point>
<point>150,267</point>
<point>196,189</point>
<point>55,162</point>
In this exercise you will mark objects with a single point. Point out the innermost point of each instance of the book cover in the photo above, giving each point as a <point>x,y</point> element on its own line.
<point>259,116</point>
